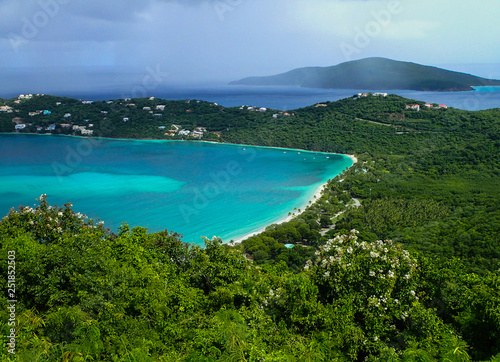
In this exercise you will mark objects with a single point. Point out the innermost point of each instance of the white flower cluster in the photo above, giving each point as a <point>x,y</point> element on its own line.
<point>381,271</point>
<point>81,216</point>
<point>29,210</point>
<point>273,297</point>
<point>343,249</point>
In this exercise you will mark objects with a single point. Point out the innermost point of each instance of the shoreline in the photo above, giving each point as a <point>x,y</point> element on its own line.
<point>313,199</point>
<point>318,193</point>
<point>288,218</point>
<point>352,157</point>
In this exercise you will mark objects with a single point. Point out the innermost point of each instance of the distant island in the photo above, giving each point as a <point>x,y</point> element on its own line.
<point>374,74</point>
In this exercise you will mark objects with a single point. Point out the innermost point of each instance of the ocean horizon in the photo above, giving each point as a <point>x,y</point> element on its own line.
<point>287,98</point>
<point>104,83</point>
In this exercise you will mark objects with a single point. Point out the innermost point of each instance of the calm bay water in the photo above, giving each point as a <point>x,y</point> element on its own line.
<point>287,98</point>
<point>197,189</point>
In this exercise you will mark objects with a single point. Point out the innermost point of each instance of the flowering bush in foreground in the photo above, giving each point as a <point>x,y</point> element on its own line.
<point>378,282</point>
<point>382,274</point>
<point>48,224</point>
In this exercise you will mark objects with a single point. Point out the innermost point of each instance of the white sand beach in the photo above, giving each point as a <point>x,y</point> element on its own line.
<point>313,199</point>
<point>353,158</point>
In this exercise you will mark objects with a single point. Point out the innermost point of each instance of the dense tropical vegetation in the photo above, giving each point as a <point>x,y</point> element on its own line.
<point>399,259</point>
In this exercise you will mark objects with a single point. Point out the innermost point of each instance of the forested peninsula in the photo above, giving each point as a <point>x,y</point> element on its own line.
<point>398,260</point>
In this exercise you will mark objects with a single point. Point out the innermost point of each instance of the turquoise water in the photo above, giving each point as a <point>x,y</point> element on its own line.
<point>488,89</point>
<point>193,188</point>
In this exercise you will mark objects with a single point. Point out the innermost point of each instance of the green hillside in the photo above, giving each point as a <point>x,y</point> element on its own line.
<point>373,74</point>
<point>398,260</point>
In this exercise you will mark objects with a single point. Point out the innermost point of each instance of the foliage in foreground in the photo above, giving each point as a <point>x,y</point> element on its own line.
<point>86,294</point>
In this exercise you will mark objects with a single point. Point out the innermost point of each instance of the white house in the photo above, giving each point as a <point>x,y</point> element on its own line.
<point>415,107</point>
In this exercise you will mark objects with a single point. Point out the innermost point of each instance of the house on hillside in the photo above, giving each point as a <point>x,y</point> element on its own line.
<point>378,94</point>
<point>414,107</point>
<point>199,132</point>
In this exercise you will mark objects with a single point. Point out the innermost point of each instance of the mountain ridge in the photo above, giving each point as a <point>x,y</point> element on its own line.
<point>373,74</point>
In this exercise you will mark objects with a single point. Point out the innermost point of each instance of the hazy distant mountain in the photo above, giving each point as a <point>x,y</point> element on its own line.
<point>373,74</point>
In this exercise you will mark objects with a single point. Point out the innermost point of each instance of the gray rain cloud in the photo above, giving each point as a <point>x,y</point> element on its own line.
<point>222,40</point>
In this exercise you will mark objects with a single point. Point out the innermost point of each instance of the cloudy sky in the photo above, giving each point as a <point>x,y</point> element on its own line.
<point>222,40</point>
